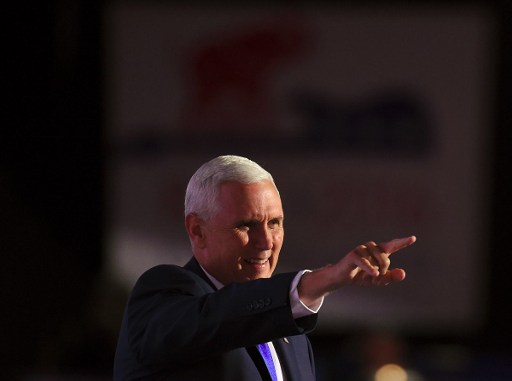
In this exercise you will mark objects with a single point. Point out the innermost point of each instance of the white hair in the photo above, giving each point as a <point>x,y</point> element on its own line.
<point>203,186</point>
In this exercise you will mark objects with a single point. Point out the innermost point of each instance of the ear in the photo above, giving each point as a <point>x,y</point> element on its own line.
<point>195,229</point>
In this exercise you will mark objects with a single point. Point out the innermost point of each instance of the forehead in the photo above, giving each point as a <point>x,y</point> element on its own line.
<point>256,197</point>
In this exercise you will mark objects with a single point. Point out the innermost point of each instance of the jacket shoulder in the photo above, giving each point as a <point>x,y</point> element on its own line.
<point>171,278</point>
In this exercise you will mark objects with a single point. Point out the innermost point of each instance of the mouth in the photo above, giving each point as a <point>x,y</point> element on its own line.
<point>257,262</point>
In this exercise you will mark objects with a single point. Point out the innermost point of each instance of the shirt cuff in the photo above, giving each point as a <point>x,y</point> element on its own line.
<point>299,309</point>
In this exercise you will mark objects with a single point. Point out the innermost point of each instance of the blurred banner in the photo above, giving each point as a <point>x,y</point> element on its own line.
<point>374,122</point>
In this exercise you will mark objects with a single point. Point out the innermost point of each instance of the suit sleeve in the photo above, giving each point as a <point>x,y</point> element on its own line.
<point>173,315</point>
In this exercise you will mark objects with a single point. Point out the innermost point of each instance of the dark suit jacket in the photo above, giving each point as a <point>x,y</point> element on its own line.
<point>176,326</point>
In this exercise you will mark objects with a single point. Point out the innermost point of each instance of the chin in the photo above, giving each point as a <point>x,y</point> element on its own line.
<point>258,276</point>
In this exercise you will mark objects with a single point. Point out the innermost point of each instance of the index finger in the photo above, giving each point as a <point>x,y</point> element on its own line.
<point>396,244</point>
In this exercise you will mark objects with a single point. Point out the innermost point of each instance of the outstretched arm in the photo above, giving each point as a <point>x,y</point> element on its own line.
<point>367,264</point>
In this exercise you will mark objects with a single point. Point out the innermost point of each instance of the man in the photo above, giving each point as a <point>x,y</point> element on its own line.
<point>205,321</point>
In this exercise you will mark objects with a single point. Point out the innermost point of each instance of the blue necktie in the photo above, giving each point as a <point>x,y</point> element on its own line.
<point>267,356</point>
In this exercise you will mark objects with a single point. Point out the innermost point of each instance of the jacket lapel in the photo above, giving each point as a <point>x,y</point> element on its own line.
<point>295,358</point>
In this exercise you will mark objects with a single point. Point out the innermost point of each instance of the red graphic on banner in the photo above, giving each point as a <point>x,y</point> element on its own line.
<point>231,78</point>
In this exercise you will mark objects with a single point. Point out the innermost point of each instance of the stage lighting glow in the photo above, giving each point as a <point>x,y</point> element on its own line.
<point>391,372</point>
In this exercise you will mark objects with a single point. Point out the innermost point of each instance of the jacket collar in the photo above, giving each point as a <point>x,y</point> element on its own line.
<point>194,266</point>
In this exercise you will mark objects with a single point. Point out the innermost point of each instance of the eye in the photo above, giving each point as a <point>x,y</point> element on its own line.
<point>246,225</point>
<point>275,223</point>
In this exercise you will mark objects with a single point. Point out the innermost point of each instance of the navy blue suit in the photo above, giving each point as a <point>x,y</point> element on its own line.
<point>176,326</point>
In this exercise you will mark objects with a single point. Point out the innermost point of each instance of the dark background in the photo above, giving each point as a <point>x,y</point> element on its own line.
<point>52,201</point>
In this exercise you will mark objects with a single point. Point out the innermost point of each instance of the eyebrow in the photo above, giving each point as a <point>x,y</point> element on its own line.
<point>253,221</point>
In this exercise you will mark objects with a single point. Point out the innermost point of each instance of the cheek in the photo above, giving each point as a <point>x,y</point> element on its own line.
<point>278,238</point>
<point>241,239</point>
<point>278,243</point>
<point>236,244</point>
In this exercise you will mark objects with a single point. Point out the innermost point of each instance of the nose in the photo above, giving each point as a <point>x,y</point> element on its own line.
<point>264,239</point>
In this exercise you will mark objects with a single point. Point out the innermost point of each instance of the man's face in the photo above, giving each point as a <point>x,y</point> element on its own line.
<point>243,240</point>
